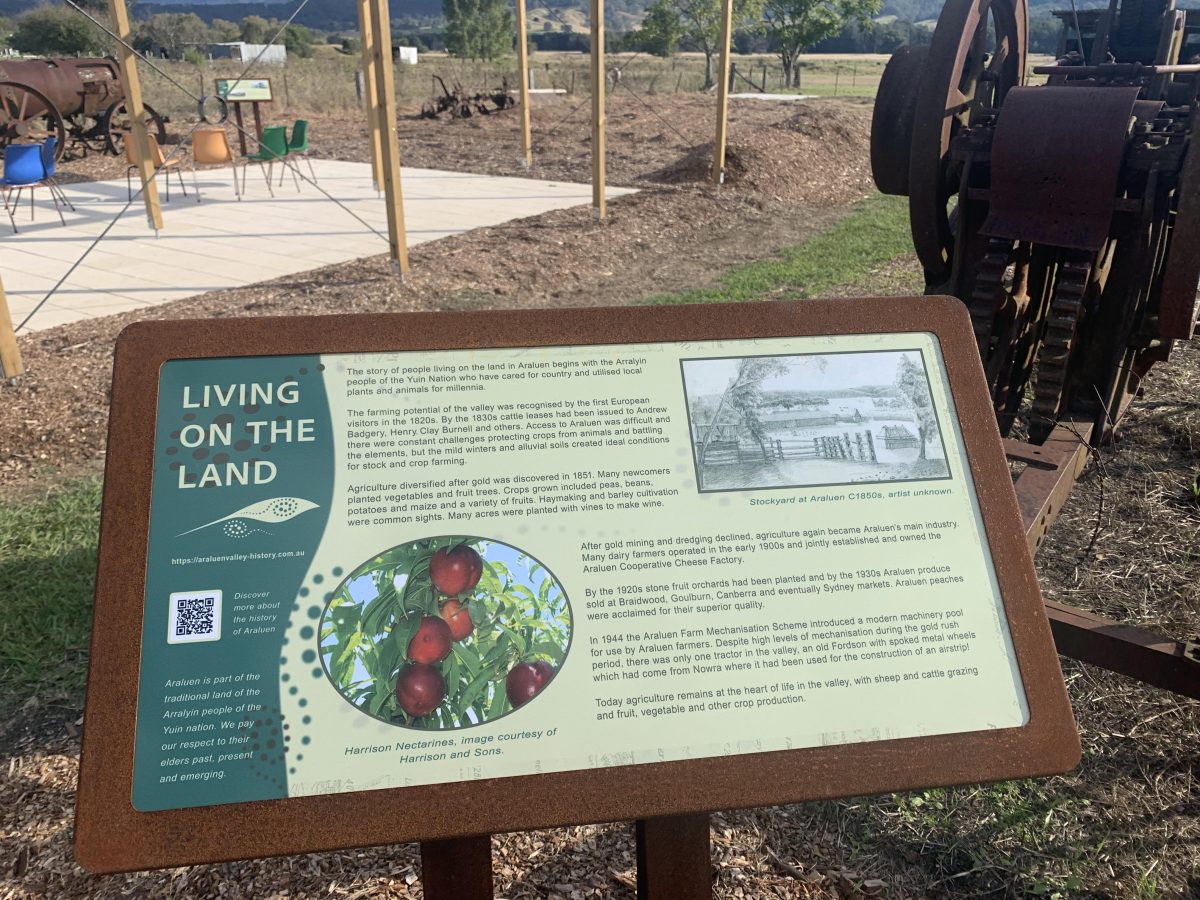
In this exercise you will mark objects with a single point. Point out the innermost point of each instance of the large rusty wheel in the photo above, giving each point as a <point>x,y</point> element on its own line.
<point>976,55</point>
<point>116,127</point>
<point>892,119</point>
<point>28,116</point>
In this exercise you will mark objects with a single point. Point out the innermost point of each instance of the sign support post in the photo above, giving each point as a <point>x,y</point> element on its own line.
<point>718,165</point>
<point>459,869</point>
<point>384,113</point>
<point>370,88</point>
<point>10,353</point>
<point>673,858</point>
<point>598,118</point>
<point>137,112</point>
<point>523,68</point>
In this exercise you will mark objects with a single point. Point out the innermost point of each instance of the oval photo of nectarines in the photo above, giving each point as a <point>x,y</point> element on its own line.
<point>445,632</point>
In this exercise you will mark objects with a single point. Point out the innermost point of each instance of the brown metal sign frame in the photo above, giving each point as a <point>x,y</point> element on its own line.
<point>112,836</point>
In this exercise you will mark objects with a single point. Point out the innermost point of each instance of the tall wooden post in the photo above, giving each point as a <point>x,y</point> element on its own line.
<point>370,88</point>
<point>598,119</point>
<point>523,66</point>
<point>137,112</point>
<point>389,144</point>
<point>718,163</point>
<point>10,353</point>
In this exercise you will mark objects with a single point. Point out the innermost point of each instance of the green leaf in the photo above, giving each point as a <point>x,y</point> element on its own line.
<point>467,656</point>
<point>474,689</point>
<point>518,641</point>
<point>348,649</point>
<point>499,705</point>
<point>489,581</point>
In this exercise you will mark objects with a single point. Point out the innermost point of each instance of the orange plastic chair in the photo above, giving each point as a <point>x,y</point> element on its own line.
<point>158,161</point>
<point>210,147</point>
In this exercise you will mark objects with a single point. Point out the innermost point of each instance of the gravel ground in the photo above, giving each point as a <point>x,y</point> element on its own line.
<point>1125,824</point>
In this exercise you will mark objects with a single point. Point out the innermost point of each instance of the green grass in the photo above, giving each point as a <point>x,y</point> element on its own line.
<point>874,232</point>
<point>47,573</point>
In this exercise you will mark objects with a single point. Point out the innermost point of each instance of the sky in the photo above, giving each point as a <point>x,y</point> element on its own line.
<point>842,370</point>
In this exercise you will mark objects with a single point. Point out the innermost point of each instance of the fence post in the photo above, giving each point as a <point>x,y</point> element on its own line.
<point>779,447</point>
<point>10,354</point>
<point>816,447</point>
<point>871,447</point>
<point>523,69</point>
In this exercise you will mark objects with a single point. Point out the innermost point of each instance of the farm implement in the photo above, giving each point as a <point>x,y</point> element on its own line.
<point>462,104</point>
<point>81,101</point>
<point>1066,217</point>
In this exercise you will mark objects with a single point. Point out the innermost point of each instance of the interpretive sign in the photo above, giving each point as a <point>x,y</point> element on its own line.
<point>509,570</point>
<point>244,90</point>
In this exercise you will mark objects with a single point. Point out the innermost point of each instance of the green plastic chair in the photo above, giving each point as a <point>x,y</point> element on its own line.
<point>298,146</point>
<point>272,149</point>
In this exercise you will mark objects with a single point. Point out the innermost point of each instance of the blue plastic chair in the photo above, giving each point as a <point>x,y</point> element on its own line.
<point>29,166</point>
<point>48,163</point>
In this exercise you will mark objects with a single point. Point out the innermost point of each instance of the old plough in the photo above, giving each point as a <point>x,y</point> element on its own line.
<point>1066,216</point>
<point>462,104</point>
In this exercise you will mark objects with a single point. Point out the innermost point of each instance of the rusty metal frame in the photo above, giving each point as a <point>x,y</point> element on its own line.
<point>1042,489</point>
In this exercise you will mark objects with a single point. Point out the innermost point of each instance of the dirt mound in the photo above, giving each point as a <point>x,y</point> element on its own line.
<point>818,156</point>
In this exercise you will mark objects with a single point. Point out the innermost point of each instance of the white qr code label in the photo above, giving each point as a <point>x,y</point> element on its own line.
<point>194,616</point>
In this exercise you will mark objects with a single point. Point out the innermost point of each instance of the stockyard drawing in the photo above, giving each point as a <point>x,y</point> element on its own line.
<point>816,419</point>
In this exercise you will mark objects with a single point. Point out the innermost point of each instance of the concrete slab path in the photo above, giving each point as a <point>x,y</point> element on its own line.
<point>221,242</point>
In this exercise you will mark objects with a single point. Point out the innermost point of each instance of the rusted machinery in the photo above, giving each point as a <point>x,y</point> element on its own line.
<point>1066,216</point>
<point>77,100</point>
<point>461,104</point>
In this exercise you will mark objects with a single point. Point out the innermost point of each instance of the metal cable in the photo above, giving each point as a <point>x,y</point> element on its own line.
<point>655,112</point>
<point>283,160</point>
<point>103,234</point>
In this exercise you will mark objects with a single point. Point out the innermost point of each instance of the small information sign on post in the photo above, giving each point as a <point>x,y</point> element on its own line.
<point>513,570</point>
<point>245,90</point>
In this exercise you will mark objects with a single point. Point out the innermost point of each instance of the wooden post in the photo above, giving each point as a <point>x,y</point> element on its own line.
<point>370,89</point>
<point>673,858</point>
<point>241,126</point>
<point>389,145</point>
<point>10,353</point>
<point>598,118</point>
<point>137,112</point>
<point>459,869</point>
<point>523,71</point>
<point>718,163</point>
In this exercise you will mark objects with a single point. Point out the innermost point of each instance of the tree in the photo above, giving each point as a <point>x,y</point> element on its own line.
<point>172,32</point>
<point>222,31</point>
<point>695,23</point>
<point>254,30</point>
<point>298,40</point>
<point>57,31</point>
<point>661,31</point>
<point>478,29</point>
<point>914,391</point>
<point>796,25</point>
<point>740,402</point>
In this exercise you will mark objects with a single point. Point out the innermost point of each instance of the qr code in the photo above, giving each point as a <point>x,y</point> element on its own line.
<point>194,616</point>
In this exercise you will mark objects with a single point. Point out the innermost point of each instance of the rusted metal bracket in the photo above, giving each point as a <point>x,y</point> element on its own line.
<point>1141,654</point>
<point>1042,489</point>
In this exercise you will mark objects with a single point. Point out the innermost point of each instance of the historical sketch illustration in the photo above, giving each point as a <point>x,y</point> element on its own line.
<point>814,419</point>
